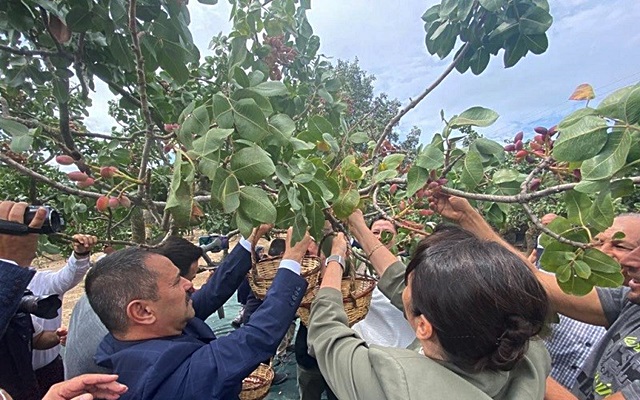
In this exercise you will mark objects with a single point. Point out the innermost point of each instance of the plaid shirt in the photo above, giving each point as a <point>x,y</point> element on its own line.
<point>569,345</point>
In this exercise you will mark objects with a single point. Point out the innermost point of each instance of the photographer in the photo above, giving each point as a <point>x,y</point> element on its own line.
<point>47,363</point>
<point>16,254</point>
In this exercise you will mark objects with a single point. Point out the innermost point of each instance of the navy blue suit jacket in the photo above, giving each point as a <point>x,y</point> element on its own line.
<point>196,365</point>
<point>13,282</point>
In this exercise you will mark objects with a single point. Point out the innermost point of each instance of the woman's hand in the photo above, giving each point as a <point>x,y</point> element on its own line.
<point>457,209</point>
<point>339,246</point>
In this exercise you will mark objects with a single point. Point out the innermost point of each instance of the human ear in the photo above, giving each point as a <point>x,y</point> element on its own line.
<point>140,312</point>
<point>424,329</point>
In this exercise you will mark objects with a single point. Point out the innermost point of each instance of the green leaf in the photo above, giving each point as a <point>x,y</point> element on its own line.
<point>21,143</point>
<point>610,160</point>
<point>261,101</point>
<point>222,111</point>
<point>120,50</point>
<point>238,52</point>
<point>172,58</point>
<point>589,187</point>
<point>319,125</point>
<point>430,158</point>
<point>255,203</point>
<point>250,121</point>
<point>492,5</point>
<point>416,179</point>
<point>535,21</point>
<point>537,44</point>
<point>211,141</point>
<point>622,188</point>
<point>506,175</point>
<point>208,168</point>
<point>229,194</point>
<point>581,140</point>
<point>13,128</point>
<point>346,203</point>
<point>61,90</point>
<point>358,137</point>
<point>578,205</point>
<point>244,224</point>
<point>515,48</point>
<point>180,198</point>
<point>576,286</point>
<point>556,255</point>
<point>283,126</point>
<point>270,89</point>
<point>601,279</point>
<point>472,171</point>
<point>384,175</point>
<point>601,213</point>
<point>474,116</point>
<point>210,2</point>
<point>488,147</point>
<point>582,269</point>
<point>241,77</point>
<point>252,164</point>
<point>564,273</point>
<point>392,161</point>
<point>315,216</point>
<point>564,228</point>
<point>195,124</point>
<point>623,104</point>
<point>600,262</point>
<point>79,19</point>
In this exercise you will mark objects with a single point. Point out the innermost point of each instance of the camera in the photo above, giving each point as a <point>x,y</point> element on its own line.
<point>41,306</point>
<point>53,223</point>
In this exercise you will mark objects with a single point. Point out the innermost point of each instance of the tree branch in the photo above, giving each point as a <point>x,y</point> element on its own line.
<point>28,172</point>
<point>144,103</point>
<point>31,53</point>
<point>532,216</point>
<point>417,100</point>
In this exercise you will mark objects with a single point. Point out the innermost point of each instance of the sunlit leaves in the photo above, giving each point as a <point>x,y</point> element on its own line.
<point>474,116</point>
<point>610,159</point>
<point>581,140</point>
<point>472,171</point>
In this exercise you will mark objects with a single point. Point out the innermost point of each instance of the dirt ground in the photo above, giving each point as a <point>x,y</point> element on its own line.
<point>55,262</point>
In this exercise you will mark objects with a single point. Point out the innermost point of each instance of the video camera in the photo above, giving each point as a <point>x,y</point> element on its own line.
<point>53,223</point>
<point>41,306</point>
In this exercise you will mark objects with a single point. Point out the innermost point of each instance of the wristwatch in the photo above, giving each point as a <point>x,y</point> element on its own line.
<point>336,258</point>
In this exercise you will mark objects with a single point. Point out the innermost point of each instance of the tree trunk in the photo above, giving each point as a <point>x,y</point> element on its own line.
<point>137,226</point>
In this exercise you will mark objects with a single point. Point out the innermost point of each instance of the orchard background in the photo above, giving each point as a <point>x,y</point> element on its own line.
<point>265,129</point>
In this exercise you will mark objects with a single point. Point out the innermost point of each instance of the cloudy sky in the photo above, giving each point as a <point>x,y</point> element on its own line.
<point>590,41</point>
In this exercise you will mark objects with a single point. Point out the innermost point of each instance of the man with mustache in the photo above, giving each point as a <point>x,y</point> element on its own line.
<point>158,342</point>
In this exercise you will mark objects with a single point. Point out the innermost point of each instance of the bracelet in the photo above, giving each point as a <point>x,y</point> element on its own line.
<point>376,247</point>
<point>86,253</point>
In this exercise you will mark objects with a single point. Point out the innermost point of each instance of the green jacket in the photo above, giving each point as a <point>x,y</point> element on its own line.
<point>354,370</point>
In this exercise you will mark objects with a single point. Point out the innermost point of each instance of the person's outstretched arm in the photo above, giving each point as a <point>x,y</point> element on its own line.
<point>227,277</point>
<point>217,369</point>
<point>586,308</point>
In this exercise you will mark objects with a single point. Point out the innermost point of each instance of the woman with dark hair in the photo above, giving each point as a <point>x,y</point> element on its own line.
<point>475,307</point>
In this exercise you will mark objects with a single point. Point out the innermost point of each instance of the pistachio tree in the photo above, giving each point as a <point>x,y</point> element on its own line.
<point>263,128</point>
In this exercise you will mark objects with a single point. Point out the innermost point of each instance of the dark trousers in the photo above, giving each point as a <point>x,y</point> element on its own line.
<point>50,374</point>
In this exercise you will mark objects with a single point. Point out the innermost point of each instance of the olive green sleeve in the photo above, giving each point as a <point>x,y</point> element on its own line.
<point>343,357</point>
<point>391,283</point>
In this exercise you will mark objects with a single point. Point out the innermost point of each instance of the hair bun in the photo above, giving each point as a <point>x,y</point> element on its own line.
<point>513,343</point>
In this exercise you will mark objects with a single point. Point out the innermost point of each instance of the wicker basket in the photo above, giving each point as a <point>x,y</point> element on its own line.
<point>262,274</point>
<point>257,384</point>
<point>356,298</point>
